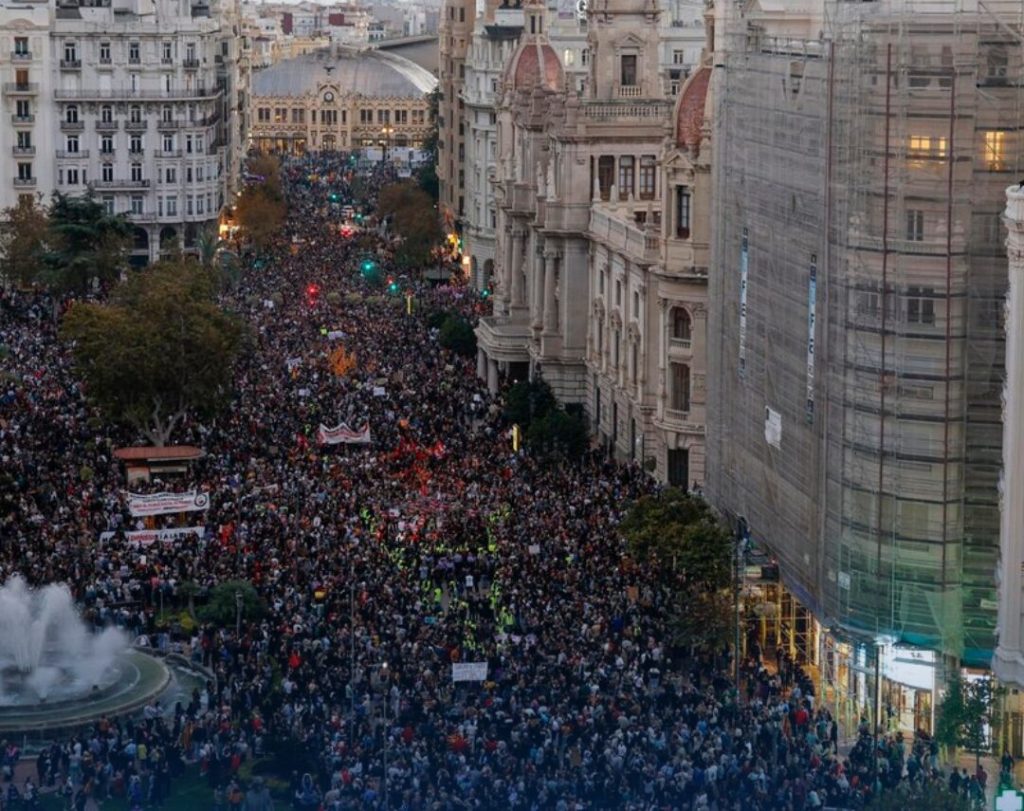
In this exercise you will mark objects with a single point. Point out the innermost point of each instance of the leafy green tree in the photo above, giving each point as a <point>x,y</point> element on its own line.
<point>529,400</point>
<point>690,551</point>
<point>86,244</point>
<point>260,212</point>
<point>558,433</point>
<point>414,219</point>
<point>457,335</point>
<point>965,713</point>
<point>24,234</point>
<point>160,350</point>
<point>934,796</point>
<point>222,606</point>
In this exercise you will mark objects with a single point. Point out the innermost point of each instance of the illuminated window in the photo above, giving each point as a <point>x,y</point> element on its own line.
<point>995,150</point>
<point>568,57</point>
<point>925,146</point>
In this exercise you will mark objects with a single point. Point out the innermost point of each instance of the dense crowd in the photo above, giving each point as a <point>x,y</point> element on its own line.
<point>380,566</point>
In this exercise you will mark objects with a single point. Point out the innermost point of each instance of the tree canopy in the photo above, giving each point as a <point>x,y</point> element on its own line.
<point>85,244</point>
<point>160,350</point>
<point>692,553</point>
<point>965,713</point>
<point>261,207</point>
<point>414,218</point>
<point>24,237</point>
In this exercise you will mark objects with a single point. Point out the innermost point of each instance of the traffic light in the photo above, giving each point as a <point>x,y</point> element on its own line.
<point>333,197</point>
<point>485,293</point>
<point>392,285</point>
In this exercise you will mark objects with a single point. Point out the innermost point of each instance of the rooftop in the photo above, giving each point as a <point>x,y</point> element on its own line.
<point>366,72</point>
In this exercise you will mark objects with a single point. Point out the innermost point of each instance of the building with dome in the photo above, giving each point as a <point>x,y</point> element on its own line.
<point>341,99</point>
<point>600,272</point>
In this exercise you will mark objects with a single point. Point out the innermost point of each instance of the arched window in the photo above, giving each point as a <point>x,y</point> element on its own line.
<point>680,387</point>
<point>682,327</point>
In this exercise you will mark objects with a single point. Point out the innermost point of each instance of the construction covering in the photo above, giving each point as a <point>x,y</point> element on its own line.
<point>855,332</point>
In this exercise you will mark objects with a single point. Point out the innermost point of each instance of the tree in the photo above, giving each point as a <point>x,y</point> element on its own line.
<point>934,796</point>
<point>260,213</point>
<point>965,715</point>
<point>457,335</point>
<point>690,552</point>
<point>528,400</point>
<point>162,349</point>
<point>414,219</point>
<point>558,433</point>
<point>222,607</point>
<point>24,235</point>
<point>87,244</point>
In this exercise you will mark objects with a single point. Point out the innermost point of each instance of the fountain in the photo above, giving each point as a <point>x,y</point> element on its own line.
<point>55,672</point>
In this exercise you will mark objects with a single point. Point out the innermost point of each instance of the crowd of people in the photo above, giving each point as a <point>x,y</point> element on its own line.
<point>381,565</point>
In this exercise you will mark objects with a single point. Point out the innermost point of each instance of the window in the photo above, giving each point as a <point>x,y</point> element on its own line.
<point>926,146</point>
<point>188,174</point>
<point>71,114</point>
<point>996,66</point>
<point>108,204</point>
<point>263,114</point>
<point>24,139</point>
<point>136,173</point>
<point>171,175</point>
<point>915,225</point>
<point>107,173</point>
<point>920,305</point>
<point>105,53</point>
<point>636,305</point>
<point>647,175</point>
<point>168,143</point>
<point>605,175</point>
<point>190,204</point>
<point>106,145</point>
<point>135,145</point>
<point>135,114</point>
<point>568,57</point>
<point>298,115</point>
<point>618,293</point>
<point>188,144</point>
<point>627,73</point>
<point>24,171</point>
<point>72,143</point>
<point>21,46</point>
<point>21,79</point>
<point>617,348</point>
<point>995,151</point>
<point>72,177</point>
<point>199,204</point>
<point>136,204</point>
<point>70,52</point>
<point>23,108</point>
<point>678,57</point>
<point>106,113</point>
<point>133,53</point>
<point>166,114</point>
<point>199,173</point>
<point>585,56</point>
<point>166,53</point>
<point>683,212</point>
<point>680,394</point>
<point>626,177</point>
<point>682,326</point>
<point>172,206</point>
<point>199,144</point>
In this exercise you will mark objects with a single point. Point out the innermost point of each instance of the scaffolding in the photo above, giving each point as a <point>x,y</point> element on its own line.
<point>855,328</point>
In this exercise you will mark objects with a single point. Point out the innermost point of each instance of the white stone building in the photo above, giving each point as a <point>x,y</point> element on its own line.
<point>602,238</point>
<point>141,102</point>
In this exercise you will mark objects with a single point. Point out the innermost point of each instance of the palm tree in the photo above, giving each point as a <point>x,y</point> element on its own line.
<point>215,256</point>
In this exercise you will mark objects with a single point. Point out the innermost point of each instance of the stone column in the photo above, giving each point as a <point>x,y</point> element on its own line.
<point>492,376</point>
<point>537,306</point>
<point>481,364</point>
<point>1008,662</point>
<point>662,349</point>
<point>516,269</point>
<point>550,305</point>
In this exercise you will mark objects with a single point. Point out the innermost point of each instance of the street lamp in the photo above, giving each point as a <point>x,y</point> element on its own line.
<point>387,132</point>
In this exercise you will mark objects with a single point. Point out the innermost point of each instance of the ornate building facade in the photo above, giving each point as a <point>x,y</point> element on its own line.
<point>602,238</point>
<point>340,99</point>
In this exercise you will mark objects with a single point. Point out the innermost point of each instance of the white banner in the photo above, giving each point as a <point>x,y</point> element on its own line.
<point>812,305</point>
<point>343,434</point>
<point>744,260</point>
<point>145,537</point>
<point>469,671</point>
<point>165,503</point>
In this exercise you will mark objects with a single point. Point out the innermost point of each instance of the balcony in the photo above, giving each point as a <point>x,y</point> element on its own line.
<point>136,126</point>
<point>23,151</point>
<point>190,64</point>
<point>105,64</point>
<point>70,64</point>
<point>21,88</point>
<point>168,153</point>
<point>624,237</point>
<point>23,119</point>
<point>107,126</point>
<point>682,344</point>
<point>64,153</point>
<point>167,62</point>
<point>139,94</point>
<point>628,91</point>
<point>120,184</point>
<point>24,182</point>
<point>72,126</point>
<point>138,153</point>
<point>21,56</point>
<point>649,112</point>
<point>164,124</point>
